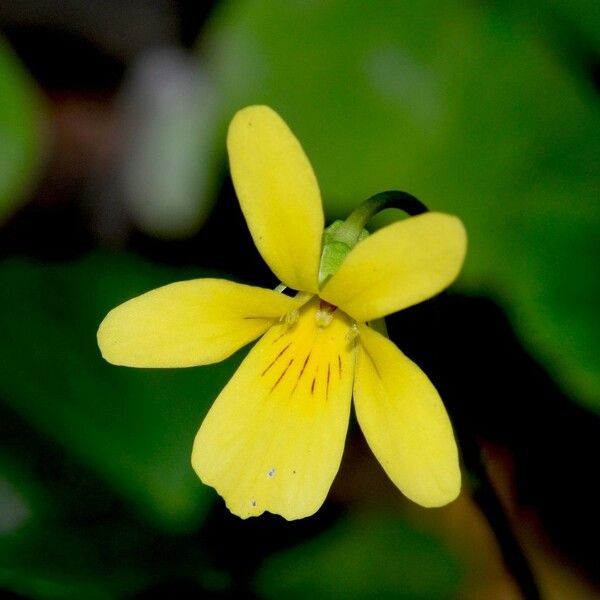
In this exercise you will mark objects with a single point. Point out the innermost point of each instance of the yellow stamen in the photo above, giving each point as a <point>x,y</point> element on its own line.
<point>325,313</point>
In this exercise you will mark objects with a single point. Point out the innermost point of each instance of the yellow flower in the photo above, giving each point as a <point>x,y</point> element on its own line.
<point>273,439</point>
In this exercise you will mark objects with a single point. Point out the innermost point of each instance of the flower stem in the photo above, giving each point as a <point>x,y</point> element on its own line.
<point>341,236</point>
<point>486,498</point>
<point>351,228</point>
<point>483,491</point>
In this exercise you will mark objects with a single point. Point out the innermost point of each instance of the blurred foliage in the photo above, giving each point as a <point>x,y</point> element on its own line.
<point>134,428</point>
<point>72,538</point>
<point>479,109</point>
<point>101,445</point>
<point>584,15</point>
<point>363,557</point>
<point>485,110</point>
<point>20,132</point>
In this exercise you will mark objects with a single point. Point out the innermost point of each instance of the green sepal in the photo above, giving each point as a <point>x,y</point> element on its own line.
<point>335,249</point>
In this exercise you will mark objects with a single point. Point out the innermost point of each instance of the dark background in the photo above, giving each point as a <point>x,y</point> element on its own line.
<point>113,180</point>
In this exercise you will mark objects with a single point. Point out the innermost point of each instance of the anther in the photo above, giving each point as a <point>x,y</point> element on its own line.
<point>324,314</point>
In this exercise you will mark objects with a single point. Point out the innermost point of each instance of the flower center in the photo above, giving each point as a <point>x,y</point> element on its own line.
<point>324,314</point>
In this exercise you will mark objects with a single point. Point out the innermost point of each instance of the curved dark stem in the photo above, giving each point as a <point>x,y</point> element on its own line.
<point>486,498</point>
<point>358,219</point>
<point>483,491</point>
<point>402,200</point>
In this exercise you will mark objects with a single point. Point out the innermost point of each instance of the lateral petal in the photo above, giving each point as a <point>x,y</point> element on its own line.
<point>405,422</point>
<point>279,195</point>
<point>398,266</point>
<point>189,323</point>
<point>273,439</point>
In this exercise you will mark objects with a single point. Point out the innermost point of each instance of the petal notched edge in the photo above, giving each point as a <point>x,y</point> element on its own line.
<point>400,265</point>
<point>279,195</point>
<point>405,422</point>
<point>189,323</point>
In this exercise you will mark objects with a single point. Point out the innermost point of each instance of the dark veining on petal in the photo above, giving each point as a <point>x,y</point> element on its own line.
<point>276,359</point>
<point>340,365</point>
<point>281,376</point>
<point>279,336</point>
<point>301,371</point>
<point>312,386</point>
<point>327,384</point>
<point>373,363</point>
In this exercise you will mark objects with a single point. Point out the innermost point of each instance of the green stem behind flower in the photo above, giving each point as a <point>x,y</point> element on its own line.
<point>338,240</point>
<point>341,236</point>
<point>359,219</point>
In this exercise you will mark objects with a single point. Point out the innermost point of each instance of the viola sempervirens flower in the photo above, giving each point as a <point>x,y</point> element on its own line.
<point>273,439</point>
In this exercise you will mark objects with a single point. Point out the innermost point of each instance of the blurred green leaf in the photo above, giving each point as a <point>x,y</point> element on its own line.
<point>20,132</point>
<point>473,108</point>
<point>582,18</point>
<point>133,427</point>
<point>64,533</point>
<point>363,557</point>
<point>65,536</point>
<point>44,551</point>
<point>54,562</point>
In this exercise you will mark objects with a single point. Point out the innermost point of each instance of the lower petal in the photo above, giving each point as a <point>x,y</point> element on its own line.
<point>405,422</point>
<point>274,438</point>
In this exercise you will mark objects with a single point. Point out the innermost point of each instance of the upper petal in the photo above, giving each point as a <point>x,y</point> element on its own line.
<point>273,439</point>
<point>398,266</point>
<point>405,422</point>
<point>189,323</point>
<point>278,193</point>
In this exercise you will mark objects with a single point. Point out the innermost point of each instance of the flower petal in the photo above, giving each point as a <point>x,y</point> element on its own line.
<point>405,422</point>
<point>189,323</point>
<point>273,439</point>
<point>398,266</point>
<point>279,195</point>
